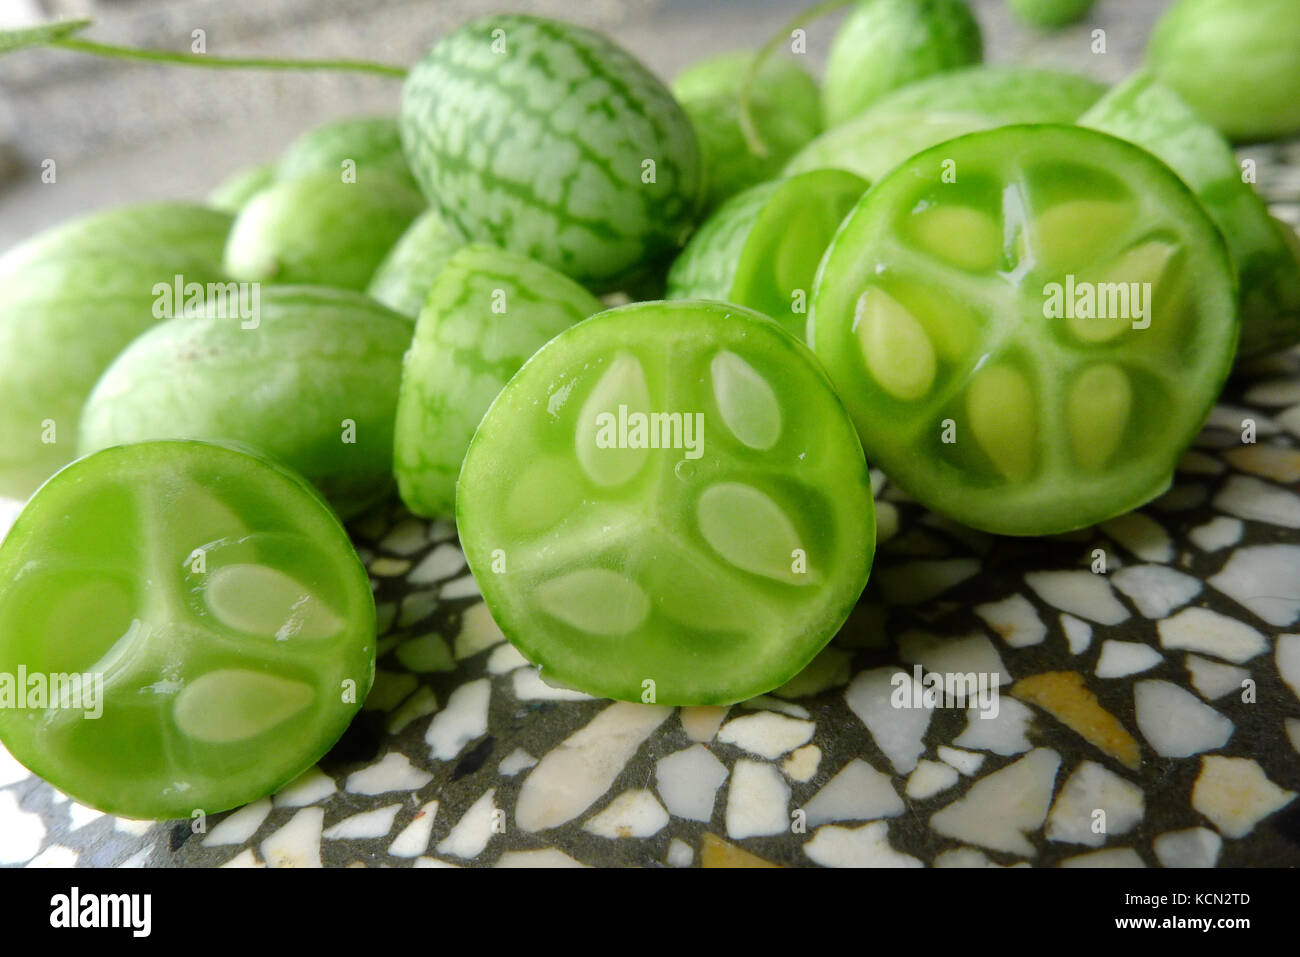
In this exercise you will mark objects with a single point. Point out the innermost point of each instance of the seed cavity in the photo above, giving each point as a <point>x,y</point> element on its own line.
<point>1000,404</point>
<point>543,494</point>
<point>264,601</point>
<point>895,346</point>
<point>623,384</point>
<point>235,704</point>
<point>747,403</point>
<point>1072,234</point>
<point>962,236</point>
<point>750,531</point>
<point>595,600</point>
<point>1097,410</point>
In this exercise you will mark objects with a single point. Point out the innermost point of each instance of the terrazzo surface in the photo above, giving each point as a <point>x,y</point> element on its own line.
<point>1147,711</point>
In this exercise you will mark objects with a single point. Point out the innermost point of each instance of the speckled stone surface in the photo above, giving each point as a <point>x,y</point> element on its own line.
<point>1148,706</point>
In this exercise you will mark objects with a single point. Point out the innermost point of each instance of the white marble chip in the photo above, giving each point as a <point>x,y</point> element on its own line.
<point>1236,794</point>
<point>898,732</point>
<point>1274,392</point>
<point>405,538</point>
<point>1078,634</point>
<point>394,773</point>
<point>1002,807</point>
<point>528,685</point>
<point>866,846</point>
<point>1231,417</point>
<point>1110,857</point>
<point>239,826</point>
<point>1213,679</point>
<point>1006,734</point>
<point>478,631</point>
<point>1121,658</point>
<point>688,782</point>
<point>55,856</point>
<point>471,834</point>
<point>421,703</point>
<point>21,832</point>
<point>766,702</point>
<point>1217,533</point>
<point>1192,847</point>
<point>930,778</point>
<point>801,765</point>
<point>1142,535</point>
<point>1175,722</point>
<point>1293,732</point>
<point>463,719</point>
<point>1206,631</point>
<point>1094,805</point>
<point>245,858</point>
<point>964,762</point>
<point>79,815</point>
<point>758,801</point>
<point>1290,420</point>
<point>1262,579</point>
<point>766,734</point>
<point>464,587</point>
<point>701,723</point>
<point>1287,657</point>
<point>633,813</point>
<point>964,858</point>
<point>506,658</point>
<point>516,761</point>
<point>297,843</point>
<point>1258,501</point>
<point>857,793</point>
<point>414,838</point>
<point>1081,593</point>
<point>367,824</point>
<point>443,562</point>
<point>962,654</point>
<point>11,770</point>
<point>1156,590</point>
<point>574,774</point>
<point>416,606</point>
<point>914,582</point>
<point>547,857</point>
<point>680,854</point>
<point>1014,619</point>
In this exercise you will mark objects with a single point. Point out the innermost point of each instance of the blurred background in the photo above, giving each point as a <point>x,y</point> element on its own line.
<point>127,131</point>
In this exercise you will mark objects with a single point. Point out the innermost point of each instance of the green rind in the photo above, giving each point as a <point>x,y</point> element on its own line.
<point>71,298</point>
<point>886,44</point>
<point>317,357</point>
<point>541,149</point>
<point>951,104</point>
<point>234,192</point>
<point>464,351</point>
<point>1145,111</point>
<point>732,257</point>
<point>1236,63</point>
<point>372,143</point>
<point>403,280</point>
<point>319,230</point>
<point>279,502</point>
<point>784,102</point>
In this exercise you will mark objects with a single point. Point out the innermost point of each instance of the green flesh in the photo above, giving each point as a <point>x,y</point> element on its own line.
<point>1146,112</point>
<point>886,44</point>
<point>317,360</point>
<point>538,136</point>
<point>223,608</point>
<point>320,230</point>
<point>71,299</point>
<point>488,311</point>
<point>403,280</point>
<point>923,114</point>
<point>716,576</point>
<point>761,248</point>
<point>1237,63</point>
<point>784,102</point>
<point>929,315</point>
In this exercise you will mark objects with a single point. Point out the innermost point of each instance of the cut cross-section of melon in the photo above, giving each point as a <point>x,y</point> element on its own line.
<point>235,704</point>
<point>895,347</point>
<point>1000,404</point>
<point>264,601</point>
<point>1097,413</point>
<point>750,531</point>
<point>595,600</point>
<point>748,405</point>
<point>602,451</point>
<point>959,235</point>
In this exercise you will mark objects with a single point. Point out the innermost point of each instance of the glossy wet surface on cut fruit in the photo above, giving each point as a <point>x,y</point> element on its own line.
<point>1028,325</point>
<point>215,612</point>
<point>668,499</point>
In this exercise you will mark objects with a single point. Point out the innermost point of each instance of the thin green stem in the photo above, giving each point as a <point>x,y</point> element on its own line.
<point>233,63</point>
<point>752,137</point>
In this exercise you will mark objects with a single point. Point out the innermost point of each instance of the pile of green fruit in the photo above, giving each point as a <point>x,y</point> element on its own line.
<point>1019,292</point>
